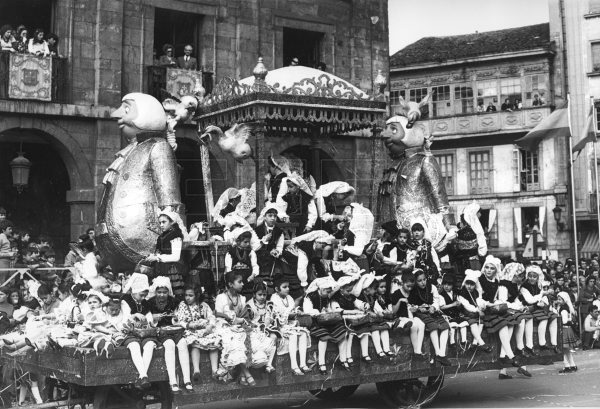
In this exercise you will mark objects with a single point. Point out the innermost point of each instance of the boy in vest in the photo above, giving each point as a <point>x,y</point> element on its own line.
<point>271,246</point>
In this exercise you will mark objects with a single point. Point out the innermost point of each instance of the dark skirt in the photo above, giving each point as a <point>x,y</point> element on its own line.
<point>334,333</point>
<point>470,319</point>
<point>130,339</point>
<point>432,323</point>
<point>175,273</point>
<point>494,323</point>
<point>569,339</point>
<point>541,314</point>
<point>518,316</point>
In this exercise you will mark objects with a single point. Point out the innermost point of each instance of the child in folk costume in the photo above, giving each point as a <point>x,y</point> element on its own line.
<point>537,299</point>
<point>472,305</point>
<point>230,308</point>
<point>399,299</point>
<point>383,252</point>
<point>569,340</point>
<point>199,322</point>
<point>242,259</point>
<point>343,300</point>
<point>262,337</point>
<point>318,301</point>
<point>426,257</point>
<point>294,338</point>
<point>405,253</point>
<point>162,307</point>
<point>424,299</point>
<point>451,308</point>
<point>93,331</point>
<point>366,288</point>
<point>271,246</point>
<point>329,199</point>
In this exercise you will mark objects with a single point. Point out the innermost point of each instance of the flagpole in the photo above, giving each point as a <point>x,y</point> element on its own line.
<point>574,211</point>
<point>596,161</point>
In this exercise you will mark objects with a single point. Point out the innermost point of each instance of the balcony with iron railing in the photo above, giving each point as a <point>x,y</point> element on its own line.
<point>29,77</point>
<point>176,82</point>
<point>487,122</point>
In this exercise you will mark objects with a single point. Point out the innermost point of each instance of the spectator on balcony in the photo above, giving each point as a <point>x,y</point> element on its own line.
<point>38,45</point>
<point>186,61</point>
<point>507,106</point>
<point>155,60</point>
<point>6,38</point>
<point>167,60</point>
<point>2,213</point>
<point>53,44</point>
<point>537,101</point>
<point>294,62</point>
<point>518,104</point>
<point>22,39</point>
<point>480,107</point>
<point>491,107</point>
<point>322,66</point>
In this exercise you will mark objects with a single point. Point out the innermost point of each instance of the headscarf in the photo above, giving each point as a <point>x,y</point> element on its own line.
<point>565,297</point>
<point>137,283</point>
<point>536,270</point>
<point>94,293</point>
<point>472,275</point>
<point>348,266</point>
<point>327,190</point>
<point>361,225</point>
<point>268,206</point>
<point>281,162</point>
<point>510,271</point>
<point>494,262</point>
<point>321,283</point>
<point>299,181</point>
<point>470,216</point>
<point>161,281</point>
<point>176,218</point>
<point>363,282</point>
<point>345,280</point>
<point>226,196</point>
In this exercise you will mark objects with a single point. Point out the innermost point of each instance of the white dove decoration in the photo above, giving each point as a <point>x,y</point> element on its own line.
<point>233,141</point>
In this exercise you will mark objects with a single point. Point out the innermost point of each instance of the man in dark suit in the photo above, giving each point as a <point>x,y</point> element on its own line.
<point>187,62</point>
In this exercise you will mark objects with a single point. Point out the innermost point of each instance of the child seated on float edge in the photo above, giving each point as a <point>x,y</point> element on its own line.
<point>383,252</point>
<point>424,304</point>
<point>451,308</point>
<point>471,304</point>
<point>317,301</point>
<point>294,338</point>
<point>199,322</point>
<point>343,300</point>
<point>404,312</point>
<point>229,306</point>
<point>262,337</point>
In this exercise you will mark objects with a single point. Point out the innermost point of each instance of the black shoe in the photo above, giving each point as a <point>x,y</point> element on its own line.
<point>443,360</point>
<point>345,365</point>
<point>367,359</point>
<point>573,369</point>
<point>524,372</point>
<point>516,362</point>
<point>565,370</point>
<point>484,348</point>
<point>531,351</point>
<point>350,362</point>
<point>323,369</point>
<point>556,349</point>
<point>523,352</point>
<point>420,356</point>
<point>145,383</point>
<point>504,376</point>
<point>505,360</point>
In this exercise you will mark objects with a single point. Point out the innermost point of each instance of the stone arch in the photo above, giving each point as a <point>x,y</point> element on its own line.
<point>71,153</point>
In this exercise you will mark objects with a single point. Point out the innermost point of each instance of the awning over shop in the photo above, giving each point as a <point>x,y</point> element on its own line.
<point>591,244</point>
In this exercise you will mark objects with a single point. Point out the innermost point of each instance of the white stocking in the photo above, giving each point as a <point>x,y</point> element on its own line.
<point>571,359</point>
<point>35,391</point>
<point>529,333</point>
<point>553,331</point>
<point>463,334</point>
<point>435,341</point>
<point>417,335</point>
<point>506,350</point>
<point>214,360</point>
<point>349,346</point>
<point>385,340</point>
<point>136,358</point>
<point>342,350</point>
<point>170,360</point>
<point>375,335</point>
<point>452,335</point>
<point>542,326</point>
<point>302,348</point>
<point>184,359</point>
<point>364,345</point>
<point>293,348</point>
<point>147,355</point>
<point>195,352</point>
<point>519,334</point>
<point>322,349</point>
<point>443,342</point>
<point>476,331</point>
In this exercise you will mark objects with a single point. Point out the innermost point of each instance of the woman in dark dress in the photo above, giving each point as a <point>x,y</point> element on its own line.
<point>167,258</point>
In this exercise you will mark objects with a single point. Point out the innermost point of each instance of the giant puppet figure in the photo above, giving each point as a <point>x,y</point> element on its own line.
<point>412,191</point>
<point>141,181</point>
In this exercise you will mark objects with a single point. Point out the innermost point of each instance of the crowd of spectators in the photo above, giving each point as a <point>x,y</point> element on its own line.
<point>21,41</point>
<point>509,105</point>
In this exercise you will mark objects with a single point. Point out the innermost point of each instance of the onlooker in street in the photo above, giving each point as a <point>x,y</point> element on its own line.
<point>294,62</point>
<point>38,45</point>
<point>167,60</point>
<point>491,107</point>
<point>7,255</point>
<point>591,328</point>
<point>73,256</point>
<point>53,44</point>
<point>537,101</point>
<point>187,62</point>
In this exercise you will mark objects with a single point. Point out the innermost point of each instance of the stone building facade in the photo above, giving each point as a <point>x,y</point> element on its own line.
<point>475,145</point>
<point>107,47</point>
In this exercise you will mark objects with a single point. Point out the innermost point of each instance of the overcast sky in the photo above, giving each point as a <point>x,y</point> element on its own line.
<point>411,20</point>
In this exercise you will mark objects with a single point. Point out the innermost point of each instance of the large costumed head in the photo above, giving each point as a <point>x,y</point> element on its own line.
<point>140,113</point>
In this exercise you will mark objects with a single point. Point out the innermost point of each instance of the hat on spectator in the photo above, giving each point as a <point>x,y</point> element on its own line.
<point>161,281</point>
<point>471,276</point>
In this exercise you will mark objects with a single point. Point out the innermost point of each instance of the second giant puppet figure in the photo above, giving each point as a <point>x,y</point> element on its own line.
<point>141,181</point>
<point>412,191</point>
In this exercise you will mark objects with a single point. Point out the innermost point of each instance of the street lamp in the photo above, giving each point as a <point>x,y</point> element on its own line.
<point>557,211</point>
<point>19,168</point>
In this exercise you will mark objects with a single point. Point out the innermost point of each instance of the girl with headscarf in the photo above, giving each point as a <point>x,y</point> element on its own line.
<point>470,243</point>
<point>226,204</point>
<point>330,201</point>
<point>471,303</point>
<point>298,204</point>
<point>535,298</point>
<point>569,340</point>
<point>167,257</point>
<point>163,307</point>
<point>317,301</point>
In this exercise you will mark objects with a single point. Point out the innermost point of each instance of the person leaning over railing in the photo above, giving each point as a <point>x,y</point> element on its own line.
<point>38,45</point>
<point>6,38</point>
